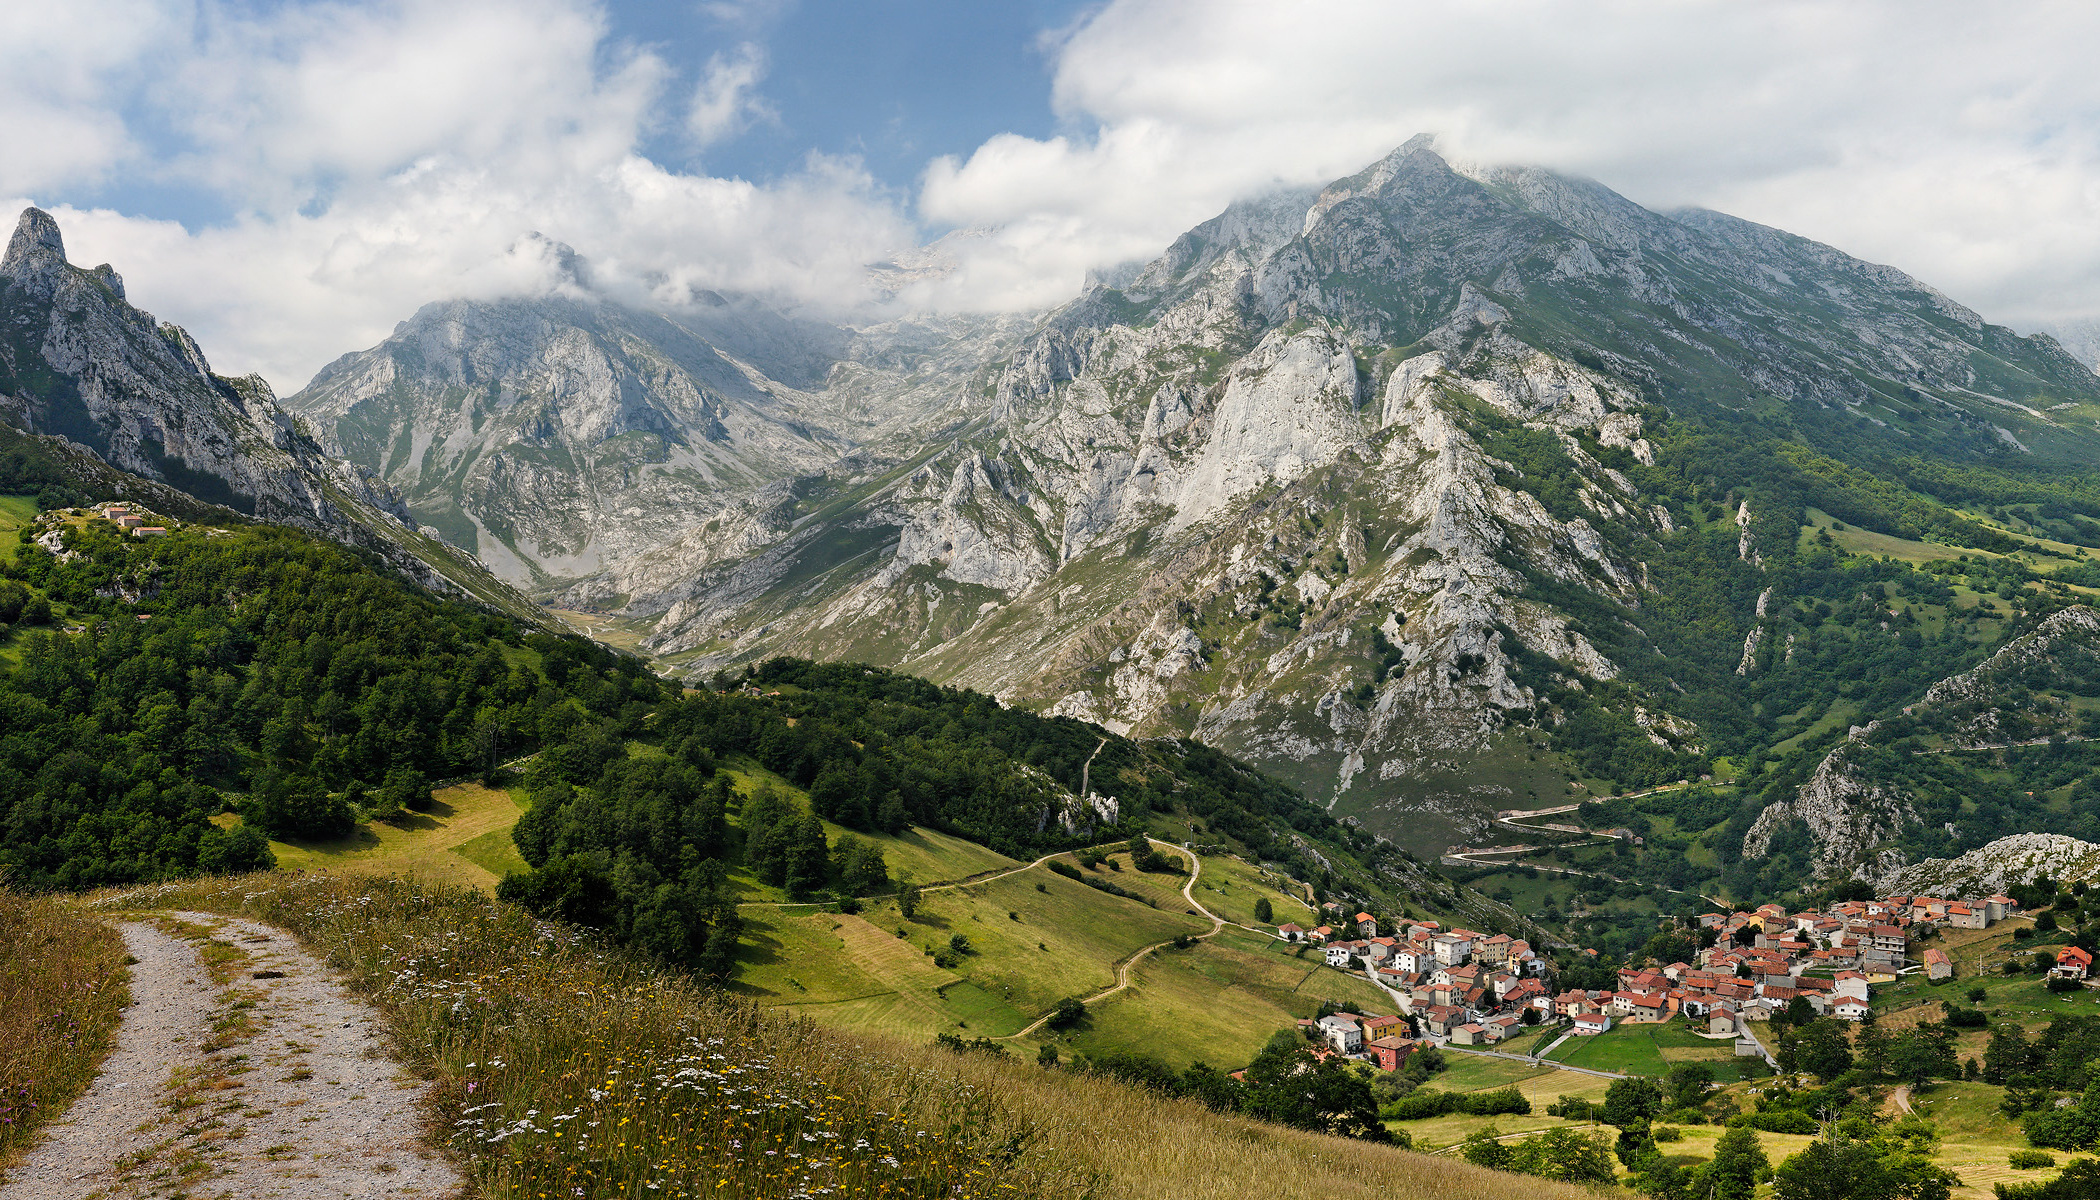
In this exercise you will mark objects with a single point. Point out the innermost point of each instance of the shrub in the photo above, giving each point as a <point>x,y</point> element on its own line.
<point>1666,1133</point>
<point>2030,1160</point>
<point>1781,1120</point>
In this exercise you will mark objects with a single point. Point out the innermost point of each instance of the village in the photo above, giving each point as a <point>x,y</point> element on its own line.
<point>1459,988</point>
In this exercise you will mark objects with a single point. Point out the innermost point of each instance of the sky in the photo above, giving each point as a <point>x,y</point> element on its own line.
<point>288,179</point>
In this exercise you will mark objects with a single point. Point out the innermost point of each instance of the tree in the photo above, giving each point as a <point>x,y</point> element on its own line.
<point>1821,1050</point>
<point>1324,1096</point>
<point>1070,1011</point>
<point>1687,1084</point>
<point>1047,1056</point>
<point>1736,1168</point>
<point>1922,1053</point>
<point>1832,1169</point>
<point>1484,1148</point>
<point>1565,1155</point>
<point>1631,1101</point>
<point>1263,912</point>
<point>808,856</point>
<point>908,899</point>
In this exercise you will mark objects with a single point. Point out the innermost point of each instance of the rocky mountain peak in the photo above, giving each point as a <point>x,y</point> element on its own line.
<point>36,237</point>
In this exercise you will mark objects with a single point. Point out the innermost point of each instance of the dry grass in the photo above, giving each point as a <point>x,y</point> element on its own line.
<point>61,993</point>
<point>560,1065</point>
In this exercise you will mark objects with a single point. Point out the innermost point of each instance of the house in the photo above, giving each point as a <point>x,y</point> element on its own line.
<point>149,531</point>
<point>1937,965</point>
<point>1997,908</point>
<point>1849,1008</point>
<point>1321,936</point>
<point>1291,933</point>
<point>1439,1019</point>
<point>1647,1007</point>
<point>1366,925</point>
<point>1390,1052</point>
<point>2072,963</point>
<point>1450,949</point>
<point>1964,916</point>
<point>1723,1019</point>
<point>1589,1023</point>
<point>1850,985</point>
<point>1343,1031</point>
<point>1339,953</point>
<point>1378,1027</point>
<point>1493,951</point>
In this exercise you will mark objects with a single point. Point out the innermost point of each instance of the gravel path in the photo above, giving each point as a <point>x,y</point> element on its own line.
<point>272,1083</point>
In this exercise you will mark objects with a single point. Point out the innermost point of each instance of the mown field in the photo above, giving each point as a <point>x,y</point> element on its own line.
<point>1636,1049</point>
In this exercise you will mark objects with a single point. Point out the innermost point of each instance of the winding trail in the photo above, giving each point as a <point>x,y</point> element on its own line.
<point>1131,960</point>
<point>242,1068</point>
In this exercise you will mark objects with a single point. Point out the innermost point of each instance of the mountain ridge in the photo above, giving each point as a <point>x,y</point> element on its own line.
<point>1390,485</point>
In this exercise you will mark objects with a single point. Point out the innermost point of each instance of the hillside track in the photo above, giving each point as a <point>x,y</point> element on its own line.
<point>1129,962</point>
<point>242,1068</point>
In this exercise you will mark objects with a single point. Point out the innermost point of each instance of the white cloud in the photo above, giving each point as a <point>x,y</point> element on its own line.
<point>1940,137</point>
<point>379,157</point>
<point>727,96</point>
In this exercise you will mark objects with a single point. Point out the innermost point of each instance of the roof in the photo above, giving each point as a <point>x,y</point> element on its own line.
<point>2074,954</point>
<point>1935,957</point>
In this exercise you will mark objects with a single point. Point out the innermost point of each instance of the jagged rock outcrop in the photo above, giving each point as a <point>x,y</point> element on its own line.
<point>1846,816</point>
<point>1995,866</point>
<point>79,362</point>
<point>2019,695</point>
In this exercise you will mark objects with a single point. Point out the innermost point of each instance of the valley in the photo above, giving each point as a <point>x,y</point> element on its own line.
<point>1452,606</point>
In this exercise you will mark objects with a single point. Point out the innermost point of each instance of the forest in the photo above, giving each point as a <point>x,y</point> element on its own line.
<point>643,845</point>
<point>259,671</point>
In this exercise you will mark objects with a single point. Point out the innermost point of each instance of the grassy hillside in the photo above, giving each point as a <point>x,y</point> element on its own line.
<point>590,1034</point>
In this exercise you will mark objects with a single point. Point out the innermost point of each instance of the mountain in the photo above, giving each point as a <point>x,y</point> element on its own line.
<point>2007,862</point>
<point>1436,490</point>
<point>1952,769</point>
<point>79,363</point>
<point>562,437</point>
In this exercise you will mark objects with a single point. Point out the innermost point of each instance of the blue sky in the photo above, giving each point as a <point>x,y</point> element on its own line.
<point>891,83</point>
<point>895,83</point>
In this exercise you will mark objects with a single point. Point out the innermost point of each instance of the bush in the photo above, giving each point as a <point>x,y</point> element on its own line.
<point>2030,1160</point>
<point>1781,1120</point>
<point>1666,1133</point>
<point>1065,869</point>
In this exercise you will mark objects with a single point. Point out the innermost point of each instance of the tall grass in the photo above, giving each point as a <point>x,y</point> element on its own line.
<point>61,993</point>
<point>563,1068</point>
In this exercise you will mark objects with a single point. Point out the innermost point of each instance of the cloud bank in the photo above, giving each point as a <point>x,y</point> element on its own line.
<point>368,158</point>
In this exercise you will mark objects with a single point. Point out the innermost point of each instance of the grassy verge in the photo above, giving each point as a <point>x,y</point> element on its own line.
<point>61,992</point>
<point>559,1065</point>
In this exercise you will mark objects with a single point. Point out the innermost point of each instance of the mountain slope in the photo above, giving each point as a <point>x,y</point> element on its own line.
<point>1430,490</point>
<point>570,436</point>
<point>78,362</point>
<point>1384,486</point>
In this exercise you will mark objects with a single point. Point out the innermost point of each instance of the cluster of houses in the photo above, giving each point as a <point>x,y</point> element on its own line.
<point>122,516</point>
<point>1468,989</point>
<point>1461,987</point>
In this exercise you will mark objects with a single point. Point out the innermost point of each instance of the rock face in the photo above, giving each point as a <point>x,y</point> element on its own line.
<point>569,437</point>
<point>77,361</point>
<point>1324,484</point>
<point>2017,696</point>
<point>1996,866</point>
